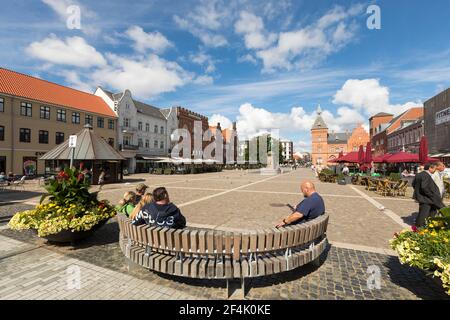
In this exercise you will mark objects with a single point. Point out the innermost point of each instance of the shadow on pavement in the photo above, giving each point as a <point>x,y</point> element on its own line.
<point>410,219</point>
<point>14,195</point>
<point>415,280</point>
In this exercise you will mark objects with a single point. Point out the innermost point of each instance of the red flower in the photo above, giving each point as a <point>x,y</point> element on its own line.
<point>80,177</point>
<point>101,205</point>
<point>63,175</point>
<point>414,228</point>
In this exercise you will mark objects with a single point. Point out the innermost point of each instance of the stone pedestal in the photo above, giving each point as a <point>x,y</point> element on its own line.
<point>271,169</point>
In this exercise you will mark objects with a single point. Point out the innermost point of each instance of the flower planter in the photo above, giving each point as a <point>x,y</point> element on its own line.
<point>67,236</point>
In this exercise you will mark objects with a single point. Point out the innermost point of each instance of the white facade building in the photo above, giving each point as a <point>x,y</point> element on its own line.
<point>142,134</point>
<point>287,150</point>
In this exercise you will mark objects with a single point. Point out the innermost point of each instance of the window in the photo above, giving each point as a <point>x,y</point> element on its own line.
<point>2,105</point>
<point>45,112</point>
<point>161,130</point>
<point>147,143</point>
<point>140,144</point>
<point>111,124</point>
<point>155,144</point>
<point>126,122</point>
<point>126,140</point>
<point>25,135</point>
<point>2,133</point>
<point>43,136</point>
<point>111,142</point>
<point>25,109</point>
<point>100,122</point>
<point>161,145</point>
<point>140,126</point>
<point>147,127</point>
<point>61,115</point>
<point>155,129</point>
<point>59,137</point>
<point>75,117</point>
<point>88,119</point>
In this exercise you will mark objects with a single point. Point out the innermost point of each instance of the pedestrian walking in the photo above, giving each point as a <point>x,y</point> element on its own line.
<point>427,194</point>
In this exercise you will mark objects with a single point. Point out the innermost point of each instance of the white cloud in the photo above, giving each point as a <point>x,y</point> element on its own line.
<point>302,47</point>
<point>73,78</point>
<point>247,58</point>
<point>224,121</point>
<point>74,51</point>
<point>252,28</point>
<point>154,41</point>
<point>368,96</point>
<point>146,77</point>
<point>204,60</point>
<point>203,80</point>
<point>204,22</point>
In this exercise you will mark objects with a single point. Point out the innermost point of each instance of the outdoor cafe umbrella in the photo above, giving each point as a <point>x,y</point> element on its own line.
<point>381,158</point>
<point>351,157</point>
<point>403,157</point>
<point>361,155</point>
<point>368,158</point>
<point>423,150</point>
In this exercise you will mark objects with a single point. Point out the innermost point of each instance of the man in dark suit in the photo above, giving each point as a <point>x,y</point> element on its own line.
<point>426,192</point>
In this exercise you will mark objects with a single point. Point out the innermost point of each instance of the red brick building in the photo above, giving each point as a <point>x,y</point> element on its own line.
<point>382,124</point>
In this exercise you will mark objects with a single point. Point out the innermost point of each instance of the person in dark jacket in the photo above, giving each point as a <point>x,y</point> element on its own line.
<point>426,193</point>
<point>161,212</point>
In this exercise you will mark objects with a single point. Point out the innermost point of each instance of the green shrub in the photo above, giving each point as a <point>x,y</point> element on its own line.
<point>395,176</point>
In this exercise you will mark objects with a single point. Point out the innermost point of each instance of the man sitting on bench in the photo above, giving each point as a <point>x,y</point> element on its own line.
<point>310,208</point>
<point>160,212</point>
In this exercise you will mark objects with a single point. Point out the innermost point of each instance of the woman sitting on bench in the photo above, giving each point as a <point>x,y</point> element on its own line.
<point>161,212</point>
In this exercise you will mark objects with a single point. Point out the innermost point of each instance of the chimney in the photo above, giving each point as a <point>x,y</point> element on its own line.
<point>234,125</point>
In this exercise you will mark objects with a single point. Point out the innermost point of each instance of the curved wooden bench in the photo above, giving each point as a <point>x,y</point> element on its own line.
<point>217,254</point>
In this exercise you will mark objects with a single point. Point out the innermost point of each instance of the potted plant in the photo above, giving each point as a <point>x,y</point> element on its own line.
<point>68,212</point>
<point>427,248</point>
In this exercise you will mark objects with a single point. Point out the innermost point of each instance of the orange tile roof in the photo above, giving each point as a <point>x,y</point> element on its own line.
<point>25,86</point>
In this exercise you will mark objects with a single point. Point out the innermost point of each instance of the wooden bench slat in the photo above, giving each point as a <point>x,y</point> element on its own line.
<point>276,238</point>
<point>228,243</point>
<point>202,242</point>
<point>210,242</point>
<point>195,267</point>
<point>177,239</point>
<point>253,241</point>
<point>185,237</point>
<point>193,241</point>
<point>228,268</point>
<point>261,240</point>
<point>169,239</point>
<point>236,246</point>
<point>211,269</point>
<point>269,239</point>
<point>245,242</point>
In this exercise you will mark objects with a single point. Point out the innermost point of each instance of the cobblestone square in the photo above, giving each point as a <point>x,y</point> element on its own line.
<point>358,232</point>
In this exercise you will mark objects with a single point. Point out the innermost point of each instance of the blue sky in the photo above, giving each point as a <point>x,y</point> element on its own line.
<point>264,64</point>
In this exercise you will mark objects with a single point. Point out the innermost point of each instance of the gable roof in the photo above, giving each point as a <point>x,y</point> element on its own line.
<point>17,84</point>
<point>338,138</point>
<point>381,114</point>
<point>148,110</point>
